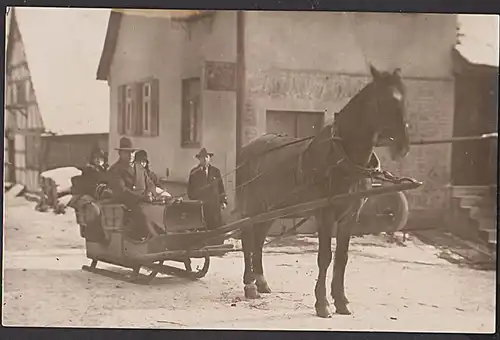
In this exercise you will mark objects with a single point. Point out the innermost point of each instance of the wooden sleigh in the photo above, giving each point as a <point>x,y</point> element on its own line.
<point>185,226</point>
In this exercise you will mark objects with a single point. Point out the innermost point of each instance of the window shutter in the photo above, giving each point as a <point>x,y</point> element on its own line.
<point>133,114</point>
<point>137,119</point>
<point>185,113</point>
<point>121,110</point>
<point>155,108</point>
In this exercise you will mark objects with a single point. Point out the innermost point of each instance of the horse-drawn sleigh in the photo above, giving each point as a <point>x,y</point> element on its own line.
<point>186,236</point>
<point>327,177</point>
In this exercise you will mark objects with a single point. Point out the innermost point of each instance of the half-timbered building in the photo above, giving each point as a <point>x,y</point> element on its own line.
<point>55,111</point>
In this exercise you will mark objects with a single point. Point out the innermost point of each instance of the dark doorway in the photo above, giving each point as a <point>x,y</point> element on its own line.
<point>476,112</point>
<point>298,124</point>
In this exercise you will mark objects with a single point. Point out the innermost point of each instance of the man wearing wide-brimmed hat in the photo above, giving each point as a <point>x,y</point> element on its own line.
<point>205,184</point>
<point>126,179</point>
<point>122,174</point>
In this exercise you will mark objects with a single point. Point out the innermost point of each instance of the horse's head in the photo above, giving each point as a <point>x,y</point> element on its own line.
<point>388,116</point>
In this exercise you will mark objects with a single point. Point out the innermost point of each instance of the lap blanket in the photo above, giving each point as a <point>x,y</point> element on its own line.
<point>88,216</point>
<point>152,217</point>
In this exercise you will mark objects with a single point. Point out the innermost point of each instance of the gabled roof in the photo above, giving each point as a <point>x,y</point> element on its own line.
<point>479,38</point>
<point>62,47</point>
<point>9,122</point>
<point>114,27</point>
<point>7,26</point>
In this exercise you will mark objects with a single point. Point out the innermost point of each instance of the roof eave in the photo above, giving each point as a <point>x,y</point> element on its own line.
<point>462,65</point>
<point>109,45</point>
<point>112,37</point>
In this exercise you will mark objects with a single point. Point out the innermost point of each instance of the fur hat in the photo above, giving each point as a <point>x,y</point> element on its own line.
<point>141,155</point>
<point>97,152</point>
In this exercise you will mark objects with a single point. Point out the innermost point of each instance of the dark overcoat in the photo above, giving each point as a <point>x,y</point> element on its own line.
<point>210,190</point>
<point>86,184</point>
<point>122,178</point>
<point>130,186</point>
<point>85,192</point>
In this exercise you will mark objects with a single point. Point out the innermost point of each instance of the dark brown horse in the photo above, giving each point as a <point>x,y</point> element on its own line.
<point>277,171</point>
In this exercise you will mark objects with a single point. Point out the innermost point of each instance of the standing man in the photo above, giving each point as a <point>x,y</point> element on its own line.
<point>205,184</point>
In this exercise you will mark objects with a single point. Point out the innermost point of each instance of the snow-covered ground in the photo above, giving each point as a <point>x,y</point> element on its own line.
<point>391,287</point>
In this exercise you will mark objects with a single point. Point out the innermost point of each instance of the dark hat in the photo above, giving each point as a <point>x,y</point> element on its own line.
<point>203,152</point>
<point>141,155</point>
<point>97,152</point>
<point>126,145</point>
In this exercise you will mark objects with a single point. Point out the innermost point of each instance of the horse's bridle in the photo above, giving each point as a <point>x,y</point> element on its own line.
<point>351,168</point>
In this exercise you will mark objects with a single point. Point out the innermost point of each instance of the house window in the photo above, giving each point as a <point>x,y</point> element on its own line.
<point>138,109</point>
<point>191,112</point>
<point>19,92</point>
<point>129,110</point>
<point>146,105</point>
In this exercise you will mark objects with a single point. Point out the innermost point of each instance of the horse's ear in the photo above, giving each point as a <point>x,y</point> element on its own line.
<point>375,73</point>
<point>397,72</point>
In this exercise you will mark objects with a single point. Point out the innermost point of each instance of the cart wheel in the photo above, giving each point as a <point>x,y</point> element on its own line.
<point>392,210</point>
<point>198,274</point>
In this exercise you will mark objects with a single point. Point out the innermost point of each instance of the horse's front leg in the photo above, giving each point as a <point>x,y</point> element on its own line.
<point>260,234</point>
<point>324,222</point>
<point>340,262</point>
<point>247,242</point>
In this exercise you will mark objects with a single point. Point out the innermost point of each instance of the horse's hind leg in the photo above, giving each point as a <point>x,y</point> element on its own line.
<point>260,233</point>
<point>247,241</point>
<point>340,263</point>
<point>324,221</point>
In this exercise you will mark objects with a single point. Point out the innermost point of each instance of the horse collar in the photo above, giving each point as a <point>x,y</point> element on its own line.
<point>344,159</point>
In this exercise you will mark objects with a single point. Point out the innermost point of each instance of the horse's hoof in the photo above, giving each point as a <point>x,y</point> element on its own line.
<point>263,288</point>
<point>343,299</point>
<point>251,291</point>
<point>323,311</point>
<point>342,310</point>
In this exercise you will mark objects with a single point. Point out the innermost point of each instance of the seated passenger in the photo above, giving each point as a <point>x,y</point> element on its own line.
<point>93,179</point>
<point>90,186</point>
<point>141,158</point>
<point>132,187</point>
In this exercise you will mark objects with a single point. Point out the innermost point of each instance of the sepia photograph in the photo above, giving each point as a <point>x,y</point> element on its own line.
<point>250,170</point>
